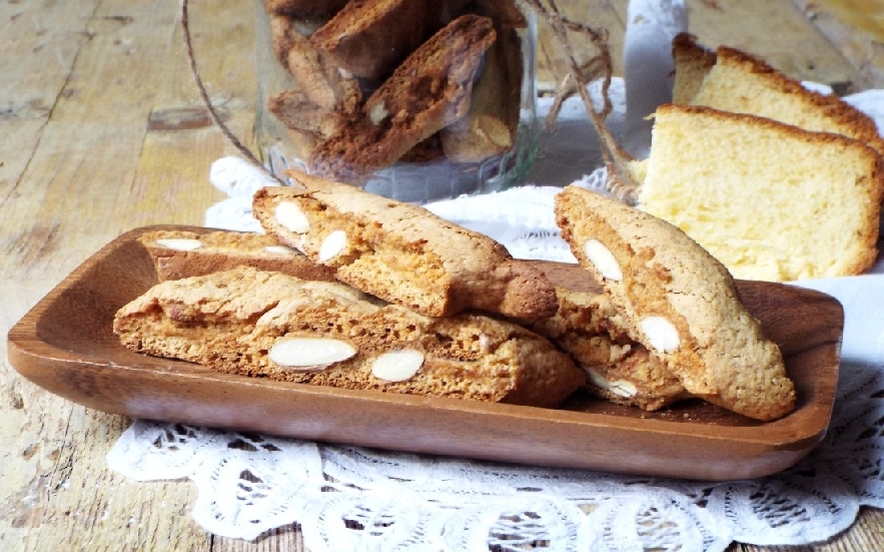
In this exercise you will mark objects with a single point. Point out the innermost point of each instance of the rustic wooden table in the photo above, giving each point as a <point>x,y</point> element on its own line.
<point>102,130</point>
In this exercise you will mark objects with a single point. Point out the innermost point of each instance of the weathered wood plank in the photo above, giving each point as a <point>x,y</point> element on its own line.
<point>84,162</point>
<point>779,33</point>
<point>856,29</point>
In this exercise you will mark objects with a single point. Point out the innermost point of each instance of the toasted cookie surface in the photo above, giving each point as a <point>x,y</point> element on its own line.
<point>679,301</point>
<point>402,253</point>
<point>431,89</point>
<point>268,324</point>
<point>589,328</point>
<point>182,253</point>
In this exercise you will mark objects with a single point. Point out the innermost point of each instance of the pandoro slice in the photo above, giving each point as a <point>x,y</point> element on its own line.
<point>401,252</point>
<point>680,302</point>
<point>268,324</point>
<point>692,63</point>
<point>770,201</point>
<point>742,83</point>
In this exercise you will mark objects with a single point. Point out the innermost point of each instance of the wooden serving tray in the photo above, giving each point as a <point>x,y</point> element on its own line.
<point>66,345</point>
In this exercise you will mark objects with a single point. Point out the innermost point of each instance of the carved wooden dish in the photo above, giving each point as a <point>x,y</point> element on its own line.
<point>66,345</point>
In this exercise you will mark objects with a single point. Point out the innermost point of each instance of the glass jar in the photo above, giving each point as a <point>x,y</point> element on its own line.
<point>416,100</point>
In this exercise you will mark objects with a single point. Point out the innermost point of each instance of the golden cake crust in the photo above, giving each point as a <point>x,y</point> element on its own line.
<point>692,63</point>
<point>737,81</point>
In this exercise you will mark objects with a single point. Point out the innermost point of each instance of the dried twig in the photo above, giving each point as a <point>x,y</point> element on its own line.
<point>591,70</point>
<point>620,183</point>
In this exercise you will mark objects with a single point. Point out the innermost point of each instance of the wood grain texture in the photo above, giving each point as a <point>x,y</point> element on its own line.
<point>856,29</point>
<point>82,159</point>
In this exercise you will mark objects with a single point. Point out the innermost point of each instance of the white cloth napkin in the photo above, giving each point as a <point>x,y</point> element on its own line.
<point>648,66</point>
<point>863,300</point>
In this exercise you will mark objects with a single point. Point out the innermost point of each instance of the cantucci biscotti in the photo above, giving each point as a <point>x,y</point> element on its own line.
<point>595,333</point>
<point>402,253</point>
<point>679,302</point>
<point>268,324</point>
<point>182,253</point>
<point>430,90</point>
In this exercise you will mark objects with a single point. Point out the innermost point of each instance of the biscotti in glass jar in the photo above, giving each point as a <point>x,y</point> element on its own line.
<point>416,100</point>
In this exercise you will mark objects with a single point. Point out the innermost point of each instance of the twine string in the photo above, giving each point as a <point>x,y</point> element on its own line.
<point>619,182</point>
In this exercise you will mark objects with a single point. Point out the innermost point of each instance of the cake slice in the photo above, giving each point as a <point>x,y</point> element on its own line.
<point>742,83</point>
<point>268,324</point>
<point>400,252</point>
<point>692,63</point>
<point>770,201</point>
<point>679,302</point>
<point>182,253</point>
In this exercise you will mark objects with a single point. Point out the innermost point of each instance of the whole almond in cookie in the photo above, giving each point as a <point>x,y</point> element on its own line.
<point>595,333</point>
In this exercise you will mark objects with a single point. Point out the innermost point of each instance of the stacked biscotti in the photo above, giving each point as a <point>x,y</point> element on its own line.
<point>353,290</point>
<point>379,81</point>
<point>778,182</point>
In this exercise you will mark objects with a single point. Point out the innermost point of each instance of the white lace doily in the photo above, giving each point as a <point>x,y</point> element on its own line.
<point>350,498</point>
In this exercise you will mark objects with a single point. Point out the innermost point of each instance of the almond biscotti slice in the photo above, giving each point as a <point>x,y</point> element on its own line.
<point>679,301</point>
<point>370,38</point>
<point>307,9</point>
<point>402,253</point>
<point>182,253</point>
<point>430,90</point>
<point>588,327</point>
<point>489,127</point>
<point>268,324</point>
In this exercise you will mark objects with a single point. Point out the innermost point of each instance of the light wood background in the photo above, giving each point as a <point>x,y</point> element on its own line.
<point>102,130</point>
